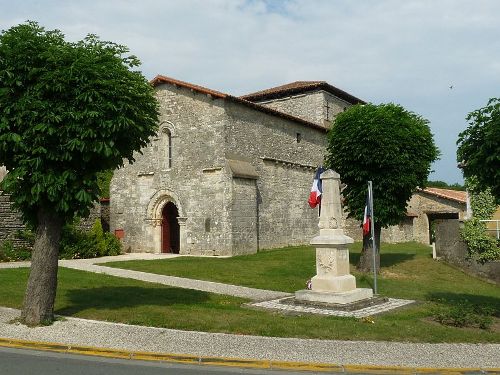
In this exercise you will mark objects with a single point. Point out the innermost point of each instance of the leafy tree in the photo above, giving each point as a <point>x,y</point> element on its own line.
<point>444,185</point>
<point>480,246</point>
<point>68,110</point>
<point>388,145</point>
<point>479,147</point>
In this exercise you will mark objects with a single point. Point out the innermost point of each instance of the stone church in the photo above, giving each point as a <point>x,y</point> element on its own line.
<point>226,175</point>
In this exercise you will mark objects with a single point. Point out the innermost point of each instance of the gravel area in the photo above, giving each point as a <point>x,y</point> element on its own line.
<point>134,338</point>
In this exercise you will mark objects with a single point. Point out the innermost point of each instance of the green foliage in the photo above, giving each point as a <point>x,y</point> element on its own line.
<point>11,253</point>
<point>104,180</point>
<point>78,244</point>
<point>444,185</point>
<point>68,110</point>
<point>479,146</point>
<point>386,144</point>
<point>482,201</point>
<point>480,245</point>
<point>464,314</point>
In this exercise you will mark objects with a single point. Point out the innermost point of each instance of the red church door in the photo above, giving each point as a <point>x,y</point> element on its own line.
<point>170,229</point>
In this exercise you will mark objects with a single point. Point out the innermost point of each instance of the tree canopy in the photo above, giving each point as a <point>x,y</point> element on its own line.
<point>386,144</point>
<point>68,110</point>
<point>479,147</point>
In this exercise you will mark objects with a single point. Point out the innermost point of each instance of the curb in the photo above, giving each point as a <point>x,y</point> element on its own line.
<point>234,362</point>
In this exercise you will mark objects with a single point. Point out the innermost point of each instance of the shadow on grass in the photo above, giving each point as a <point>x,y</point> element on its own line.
<point>474,299</point>
<point>123,297</point>
<point>386,260</point>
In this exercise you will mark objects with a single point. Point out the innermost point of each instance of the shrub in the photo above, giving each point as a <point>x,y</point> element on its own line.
<point>12,253</point>
<point>78,244</point>
<point>464,314</point>
<point>480,245</point>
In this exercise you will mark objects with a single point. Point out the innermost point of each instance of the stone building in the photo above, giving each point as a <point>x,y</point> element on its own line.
<point>226,175</point>
<point>424,208</point>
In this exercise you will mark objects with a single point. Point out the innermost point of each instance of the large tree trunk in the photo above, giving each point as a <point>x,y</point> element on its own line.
<point>366,260</point>
<point>38,306</point>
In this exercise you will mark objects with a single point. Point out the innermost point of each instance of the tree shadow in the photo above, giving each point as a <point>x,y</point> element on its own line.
<point>454,299</point>
<point>386,260</point>
<point>123,297</point>
<point>391,259</point>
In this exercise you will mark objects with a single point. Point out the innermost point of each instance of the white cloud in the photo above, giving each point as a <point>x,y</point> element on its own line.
<point>407,52</point>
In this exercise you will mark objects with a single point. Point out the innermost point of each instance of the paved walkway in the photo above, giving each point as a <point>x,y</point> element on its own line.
<point>80,332</point>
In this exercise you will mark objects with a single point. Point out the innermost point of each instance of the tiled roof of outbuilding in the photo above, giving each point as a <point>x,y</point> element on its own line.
<point>454,195</point>
<point>159,79</point>
<point>299,87</point>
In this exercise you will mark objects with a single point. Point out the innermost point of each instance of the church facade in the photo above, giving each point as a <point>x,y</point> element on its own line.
<point>226,175</point>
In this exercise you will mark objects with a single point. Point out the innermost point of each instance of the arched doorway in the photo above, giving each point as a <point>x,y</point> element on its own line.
<point>169,229</point>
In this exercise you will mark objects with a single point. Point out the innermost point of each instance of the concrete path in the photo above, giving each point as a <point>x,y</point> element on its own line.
<point>117,339</point>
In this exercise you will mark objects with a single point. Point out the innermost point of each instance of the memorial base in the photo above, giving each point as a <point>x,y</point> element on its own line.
<point>336,298</point>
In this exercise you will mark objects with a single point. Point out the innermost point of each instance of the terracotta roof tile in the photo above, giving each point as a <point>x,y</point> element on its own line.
<point>454,195</point>
<point>299,87</point>
<point>159,79</point>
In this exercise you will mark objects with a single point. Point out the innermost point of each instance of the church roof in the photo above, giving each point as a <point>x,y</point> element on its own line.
<point>454,195</point>
<point>159,79</point>
<point>300,87</point>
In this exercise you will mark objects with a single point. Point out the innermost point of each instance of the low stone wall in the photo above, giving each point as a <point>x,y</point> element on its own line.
<point>10,222</point>
<point>451,248</point>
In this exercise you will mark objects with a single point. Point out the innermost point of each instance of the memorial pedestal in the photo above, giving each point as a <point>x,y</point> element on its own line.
<point>333,283</point>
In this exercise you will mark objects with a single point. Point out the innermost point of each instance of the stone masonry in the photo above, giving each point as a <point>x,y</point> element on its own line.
<point>238,173</point>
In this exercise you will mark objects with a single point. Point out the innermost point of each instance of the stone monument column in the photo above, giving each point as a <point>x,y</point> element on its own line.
<point>333,282</point>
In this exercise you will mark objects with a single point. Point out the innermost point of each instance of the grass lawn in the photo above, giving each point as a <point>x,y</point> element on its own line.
<point>408,272</point>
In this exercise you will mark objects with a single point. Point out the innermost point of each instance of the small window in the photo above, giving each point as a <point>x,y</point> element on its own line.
<point>207,224</point>
<point>299,137</point>
<point>167,144</point>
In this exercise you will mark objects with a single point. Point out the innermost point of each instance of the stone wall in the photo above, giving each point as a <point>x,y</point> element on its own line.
<point>88,222</point>
<point>285,165</point>
<point>451,248</point>
<point>206,133</point>
<point>197,181</point>
<point>10,222</point>
<point>310,106</point>
<point>403,232</point>
<point>244,216</point>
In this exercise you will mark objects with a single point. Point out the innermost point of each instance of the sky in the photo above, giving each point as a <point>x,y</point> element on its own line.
<point>437,58</point>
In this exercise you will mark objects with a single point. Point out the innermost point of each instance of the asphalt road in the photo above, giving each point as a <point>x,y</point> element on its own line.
<point>27,362</point>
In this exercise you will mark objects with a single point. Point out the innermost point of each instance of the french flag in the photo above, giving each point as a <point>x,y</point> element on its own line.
<point>367,217</point>
<point>316,190</point>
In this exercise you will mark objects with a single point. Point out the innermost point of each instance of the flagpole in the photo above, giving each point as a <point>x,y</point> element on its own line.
<point>372,229</point>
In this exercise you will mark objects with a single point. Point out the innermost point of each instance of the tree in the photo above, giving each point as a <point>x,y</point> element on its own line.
<point>388,145</point>
<point>444,185</point>
<point>479,147</point>
<point>68,110</point>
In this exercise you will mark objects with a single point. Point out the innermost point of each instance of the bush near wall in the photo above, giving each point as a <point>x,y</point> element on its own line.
<point>79,244</point>
<point>76,243</point>
<point>482,247</point>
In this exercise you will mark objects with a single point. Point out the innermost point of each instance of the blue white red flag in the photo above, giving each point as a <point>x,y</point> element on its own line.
<point>367,218</point>
<point>316,189</point>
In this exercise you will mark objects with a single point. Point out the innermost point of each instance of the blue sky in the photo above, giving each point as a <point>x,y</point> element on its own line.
<point>407,52</point>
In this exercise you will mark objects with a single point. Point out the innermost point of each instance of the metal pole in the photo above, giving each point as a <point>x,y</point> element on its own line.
<point>372,229</point>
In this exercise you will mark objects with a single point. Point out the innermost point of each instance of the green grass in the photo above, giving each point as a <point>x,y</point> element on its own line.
<point>407,272</point>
